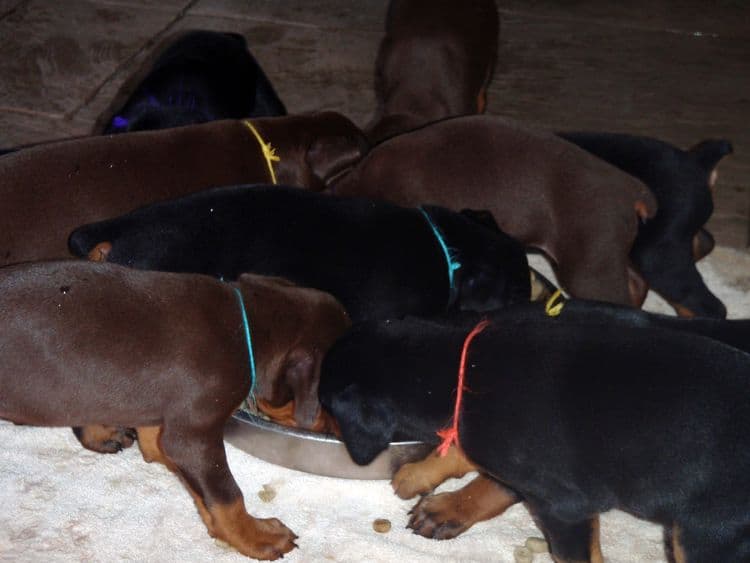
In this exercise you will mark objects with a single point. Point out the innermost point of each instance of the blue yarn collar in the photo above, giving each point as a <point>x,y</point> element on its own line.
<point>249,342</point>
<point>450,257</point>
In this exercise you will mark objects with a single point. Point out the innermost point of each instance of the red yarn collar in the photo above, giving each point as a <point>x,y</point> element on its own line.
<point>450,435</point>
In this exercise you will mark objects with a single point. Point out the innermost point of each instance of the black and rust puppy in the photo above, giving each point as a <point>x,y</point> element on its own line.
<point>377,258</point>
<point>574,418</point>
<point>667,246</point>
<point>435,61</point>
<point>108,347</point>
<point>448,514</point>
<point>193,77</point>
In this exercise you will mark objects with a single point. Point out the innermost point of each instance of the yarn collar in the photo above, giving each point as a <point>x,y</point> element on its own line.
<point>450,434</point>
<point>269,153</point>
<point>450,257</point>
<point>249,343</point>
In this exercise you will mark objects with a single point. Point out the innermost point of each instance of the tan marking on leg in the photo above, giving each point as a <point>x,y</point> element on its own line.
<point>447,515</point>
<point>677,550</point>
<point>595,548</point>
<point>260,538</point>
<point>148,442</point>
<point>422,477</point>
<point>682,311</point>
<point>482,100</point>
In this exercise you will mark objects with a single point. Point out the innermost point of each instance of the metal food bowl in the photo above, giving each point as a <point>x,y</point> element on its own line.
<point>311,452</point>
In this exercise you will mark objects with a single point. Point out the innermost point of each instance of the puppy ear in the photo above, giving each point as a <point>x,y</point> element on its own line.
<point>710,152</point>
<point>367,423</point>
<point>331,155</point>
<point>302,375</point>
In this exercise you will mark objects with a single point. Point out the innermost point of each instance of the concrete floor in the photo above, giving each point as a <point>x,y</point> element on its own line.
<point>678,70</point>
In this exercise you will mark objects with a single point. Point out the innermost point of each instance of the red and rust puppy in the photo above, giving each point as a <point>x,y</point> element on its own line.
<point>667,247</point>
<point>574,418</point>
<point>100,345</point>
<point>435,61</point>
<point>545,192</point>
<point>49,190</point>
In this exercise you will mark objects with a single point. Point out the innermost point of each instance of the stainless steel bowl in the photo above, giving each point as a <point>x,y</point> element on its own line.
<point>314,453</point>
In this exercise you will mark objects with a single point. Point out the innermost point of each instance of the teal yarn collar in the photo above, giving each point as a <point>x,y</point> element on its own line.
<point>249,343</point>
<point>451,261</point>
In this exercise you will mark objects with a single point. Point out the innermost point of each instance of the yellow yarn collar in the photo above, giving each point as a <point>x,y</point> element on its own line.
<point>551,308</point>
<point>269,153</point>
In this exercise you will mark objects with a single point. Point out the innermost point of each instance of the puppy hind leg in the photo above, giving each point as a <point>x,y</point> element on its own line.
<point>571,542</point>
<point>105,439</point>
<point>421,477</point>
<point>715,540</point>
<point>199,458</point>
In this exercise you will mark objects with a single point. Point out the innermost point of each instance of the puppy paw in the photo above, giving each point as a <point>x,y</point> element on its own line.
<point>411,480</point>
<point>437,517</point>
<point>271,539</point>
<point>105,439</point>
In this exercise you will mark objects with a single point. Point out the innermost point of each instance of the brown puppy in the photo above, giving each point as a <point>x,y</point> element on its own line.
<point>545,192</point>
<point>49,190</point>
<point>98,344</point>
<point>435,61</point>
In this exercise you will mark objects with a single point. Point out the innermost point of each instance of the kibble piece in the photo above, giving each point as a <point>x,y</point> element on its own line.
<point>381,525</point>
<point>537,545</point>
<point>267,494</point>
<point>523,554</point>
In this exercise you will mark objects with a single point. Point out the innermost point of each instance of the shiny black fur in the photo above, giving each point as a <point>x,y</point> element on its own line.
<point>377,258</point>
<point>602,407</point>
<point>198,76</point>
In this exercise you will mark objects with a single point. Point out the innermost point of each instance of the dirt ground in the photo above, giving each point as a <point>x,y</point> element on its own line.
<point>678,70</point>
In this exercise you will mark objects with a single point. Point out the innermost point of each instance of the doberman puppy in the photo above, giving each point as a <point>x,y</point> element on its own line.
<point>378,259</point>
<point>666,248</point>
<point>435,61</point>
<point>449,514</point>
<point>192,77</point>
<point>101,345</point>
<point>48,191</point>
<point>582,212</point>
<point>574,418</point>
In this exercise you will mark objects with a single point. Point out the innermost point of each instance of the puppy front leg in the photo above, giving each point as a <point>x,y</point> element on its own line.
<point>576,542</point>
<point>199,458</point>
<point>447,515</point>
<point>421,477</point>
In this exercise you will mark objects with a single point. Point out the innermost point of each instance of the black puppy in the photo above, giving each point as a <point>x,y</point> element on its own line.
<point>575,418</point>
<point>378,259</point>
<point>667,246</point>
<point>195,77</point>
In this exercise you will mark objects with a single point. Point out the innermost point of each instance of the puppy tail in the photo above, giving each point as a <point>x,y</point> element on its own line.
<point>709,152</point>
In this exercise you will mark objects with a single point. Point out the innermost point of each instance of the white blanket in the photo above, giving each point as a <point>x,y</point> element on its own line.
<point>59,502</point>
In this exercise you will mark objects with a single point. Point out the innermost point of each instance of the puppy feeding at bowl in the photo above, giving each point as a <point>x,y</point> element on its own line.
<point>109,348</point>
